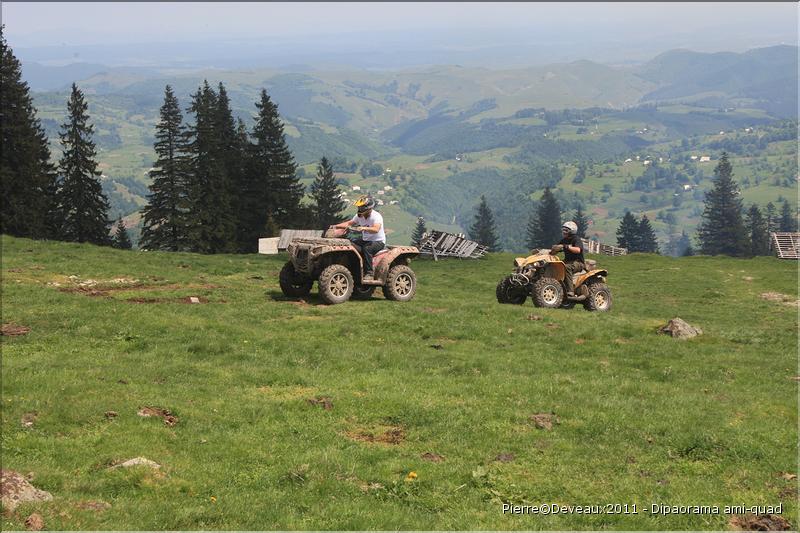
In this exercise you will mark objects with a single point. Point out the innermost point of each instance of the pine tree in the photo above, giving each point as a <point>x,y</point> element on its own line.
<point>757,228</point>
<point>82,206</point>
<point>27,178</point>
<point>628,233</point>
<point>647,237</point>
<point>328,205</point>
<point>484,231</point>
<point>772,218</point>
<point>545,230</point>
<point>249,212</point>
<point>276,167</point>
<point>722,231</point>
<point>582,221</point>
<point>121,238</point>
<point>164,225</point>
<point>532,231</point>
<point>419,231</point>
<point>211,226</point>
<point>787,222</point>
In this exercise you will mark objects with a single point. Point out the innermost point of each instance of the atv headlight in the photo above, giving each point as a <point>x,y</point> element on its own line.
<point>538,264</point>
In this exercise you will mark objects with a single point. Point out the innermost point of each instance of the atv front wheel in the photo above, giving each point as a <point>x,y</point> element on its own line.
<point>335,284</point>
<point>401,284</point>
<point>294,284</point>
<point>510,294</point>
<point>599,298</point>
<point>548,292</point>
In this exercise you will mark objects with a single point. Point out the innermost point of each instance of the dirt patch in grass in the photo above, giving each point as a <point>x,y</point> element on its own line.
<point>432,457</point>
<point>29,419</point>
<point>504,457</point>
<point>180,300</point>
<point>782,298</point>
<point>544,420</point>
<point>764,522</point>
<point>392,435</point>
<point>14,330</point>
<point>34,522</point>
<point>169,419</point>
<point>321,401</point>
<point>93,505</point>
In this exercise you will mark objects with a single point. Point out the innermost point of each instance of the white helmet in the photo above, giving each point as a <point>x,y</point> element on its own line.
<point>571,227</point>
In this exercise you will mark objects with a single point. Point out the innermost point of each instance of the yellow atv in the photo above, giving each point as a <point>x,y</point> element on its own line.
<point>541,275</point>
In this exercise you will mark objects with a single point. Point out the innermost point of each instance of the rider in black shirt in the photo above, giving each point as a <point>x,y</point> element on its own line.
<point>572,247</point>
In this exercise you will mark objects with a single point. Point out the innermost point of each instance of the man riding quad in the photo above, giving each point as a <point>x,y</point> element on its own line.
<point>370,223</point>
<point>572,247</point>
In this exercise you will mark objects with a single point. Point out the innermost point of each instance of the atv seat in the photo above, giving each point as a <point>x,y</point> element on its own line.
<point>381,252</point>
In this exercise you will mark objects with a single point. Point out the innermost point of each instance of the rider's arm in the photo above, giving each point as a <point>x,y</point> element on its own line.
<point>345,223</point>
<point>372,229</point>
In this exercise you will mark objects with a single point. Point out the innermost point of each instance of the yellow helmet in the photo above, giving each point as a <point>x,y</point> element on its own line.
<point>364,203</point>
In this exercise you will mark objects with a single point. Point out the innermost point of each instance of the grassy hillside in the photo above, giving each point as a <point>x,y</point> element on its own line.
<point>445,386</point>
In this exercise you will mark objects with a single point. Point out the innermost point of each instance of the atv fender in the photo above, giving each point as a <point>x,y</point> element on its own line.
<point>395,255</point>
<point>597,273</point>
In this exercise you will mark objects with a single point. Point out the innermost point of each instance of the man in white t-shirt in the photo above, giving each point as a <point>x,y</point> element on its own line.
<point>370,223</point>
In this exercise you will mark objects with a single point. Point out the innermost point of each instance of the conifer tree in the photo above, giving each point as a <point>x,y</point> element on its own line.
<point>582,221</point>
<point>121,238</point>
<point>211,226</point>
<point>27,178</point>
<point>546,229</point>
<point>275,166</point>
<point>484,231</point>
<point>757,228</point>
<point>771,218</point>
<point>787,222</point>
<point>647,241</point>
<point>249,212</point>
<point>722,231</point>
<point>328,205</point>
<point>532,231</point>
<point>628,233</point>
<point>164,223</point>
<point>419,231</point>
<point>82,206</point>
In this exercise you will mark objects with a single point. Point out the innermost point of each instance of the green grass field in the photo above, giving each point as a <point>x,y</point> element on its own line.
<point>444,386</point>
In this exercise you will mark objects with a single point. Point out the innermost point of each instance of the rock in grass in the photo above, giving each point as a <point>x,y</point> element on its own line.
<point>679,329</point>
<point>15,489</point>
<point>138,461</point>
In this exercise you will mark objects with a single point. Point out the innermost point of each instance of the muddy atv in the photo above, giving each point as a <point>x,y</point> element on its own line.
<point>337,267</point>
<point>541,276</point>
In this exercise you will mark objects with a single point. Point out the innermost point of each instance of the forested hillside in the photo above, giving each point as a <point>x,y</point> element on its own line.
<point>449,134</point>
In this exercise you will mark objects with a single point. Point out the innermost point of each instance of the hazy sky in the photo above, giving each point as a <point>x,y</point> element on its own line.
<point>75,23</point>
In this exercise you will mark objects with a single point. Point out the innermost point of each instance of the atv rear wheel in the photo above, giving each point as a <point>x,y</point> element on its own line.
<point>510,294</point>
<point>599,298</point>
<point>548,292</point>
<point>335,284</point>
<point>363,292</point>
<point>401,284</point>
<point>294,284</point>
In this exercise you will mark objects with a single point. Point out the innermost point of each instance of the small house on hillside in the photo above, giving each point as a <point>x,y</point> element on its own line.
<point>705,159</point>
<point>356,188</point>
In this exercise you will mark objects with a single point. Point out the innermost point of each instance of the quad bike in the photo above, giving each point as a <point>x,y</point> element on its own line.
<point>541,276</point>
<point>337,266</point>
